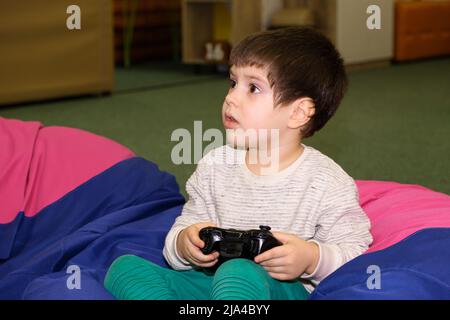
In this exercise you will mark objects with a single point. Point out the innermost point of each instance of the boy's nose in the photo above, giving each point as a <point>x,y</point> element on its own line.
<point>231,100</point>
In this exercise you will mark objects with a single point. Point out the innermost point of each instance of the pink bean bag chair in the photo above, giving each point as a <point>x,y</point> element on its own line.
<point>39,165</point>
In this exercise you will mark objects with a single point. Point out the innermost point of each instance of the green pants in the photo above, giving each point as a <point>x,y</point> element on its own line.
<point>133,278</point>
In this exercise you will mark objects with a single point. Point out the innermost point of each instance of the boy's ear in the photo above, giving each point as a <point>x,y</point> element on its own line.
<point>302,111</point>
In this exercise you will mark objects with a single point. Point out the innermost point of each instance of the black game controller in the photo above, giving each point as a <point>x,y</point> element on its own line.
<point>232,243</point>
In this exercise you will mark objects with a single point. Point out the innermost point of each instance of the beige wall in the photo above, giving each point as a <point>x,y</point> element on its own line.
<point>344,22</point>
<point>355,41</point>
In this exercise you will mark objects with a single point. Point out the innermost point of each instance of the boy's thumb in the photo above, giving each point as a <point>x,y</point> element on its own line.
<point>282,237</point>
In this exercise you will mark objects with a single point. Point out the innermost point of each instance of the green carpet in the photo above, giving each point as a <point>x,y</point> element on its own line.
<point>394,123</point>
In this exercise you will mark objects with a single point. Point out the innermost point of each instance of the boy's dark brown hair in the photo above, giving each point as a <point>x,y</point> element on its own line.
<point>301,62</point>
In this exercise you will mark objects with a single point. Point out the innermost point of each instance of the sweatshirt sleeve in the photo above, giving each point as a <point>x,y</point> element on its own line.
<point>198,208</point>
<point>343,231</point>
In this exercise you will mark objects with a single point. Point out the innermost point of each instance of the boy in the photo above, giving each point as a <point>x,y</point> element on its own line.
<point>289,81</point>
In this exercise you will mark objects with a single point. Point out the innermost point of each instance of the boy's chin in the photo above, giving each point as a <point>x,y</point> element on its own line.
<point>236,140</point>
<point>232,142</point>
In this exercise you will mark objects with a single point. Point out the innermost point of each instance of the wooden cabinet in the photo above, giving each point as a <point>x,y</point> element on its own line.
<point>155,30</point>
<point>221,20</point>
<point>42,58</point>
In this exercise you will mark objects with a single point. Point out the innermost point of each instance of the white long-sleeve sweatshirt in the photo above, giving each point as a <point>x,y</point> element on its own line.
<point>314,198</point>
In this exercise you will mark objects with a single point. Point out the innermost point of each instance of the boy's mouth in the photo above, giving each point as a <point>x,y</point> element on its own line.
<point>230,122</point>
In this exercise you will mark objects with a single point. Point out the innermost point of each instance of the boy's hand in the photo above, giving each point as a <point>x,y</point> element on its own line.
<point>290,260</point>
<point>189,245</point>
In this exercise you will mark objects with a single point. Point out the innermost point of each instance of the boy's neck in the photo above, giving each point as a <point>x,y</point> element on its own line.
<point>287,155</point>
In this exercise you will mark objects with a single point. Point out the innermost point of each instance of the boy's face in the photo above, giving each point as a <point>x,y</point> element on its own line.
<point>249,103</point>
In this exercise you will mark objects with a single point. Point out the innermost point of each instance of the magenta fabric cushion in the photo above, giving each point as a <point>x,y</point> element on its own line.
<point>39,165</point>
<point>398,210</point>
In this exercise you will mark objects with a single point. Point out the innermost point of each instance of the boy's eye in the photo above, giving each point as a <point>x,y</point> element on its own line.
<point>232,83</point>
<point>254,89</point>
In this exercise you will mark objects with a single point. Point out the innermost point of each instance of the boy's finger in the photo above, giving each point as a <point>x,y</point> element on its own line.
<point>202,257</point>
<point>190,258</point>
<point>269,254</point>
<point>275,262</point>
<point>282,237</point>
<point>190,253</point>
<point>279,276</point>
<point>275,269</point>
<point>208,264</point>
<point>196,241</point>
<point>195,260</point>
